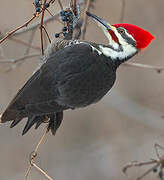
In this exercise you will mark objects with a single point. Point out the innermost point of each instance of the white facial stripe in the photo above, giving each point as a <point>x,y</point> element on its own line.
<point>128,50</point>
<point>120,38</point>
<point>111,41</point>
<point>129,35</point>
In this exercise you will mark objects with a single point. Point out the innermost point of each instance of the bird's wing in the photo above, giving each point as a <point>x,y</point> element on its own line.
<point>57,71</point>
<point>30,89</point>
<point>45,91</point>
<point>80,76</point>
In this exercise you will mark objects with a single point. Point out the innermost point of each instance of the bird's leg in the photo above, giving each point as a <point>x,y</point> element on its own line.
<point>33,156</point>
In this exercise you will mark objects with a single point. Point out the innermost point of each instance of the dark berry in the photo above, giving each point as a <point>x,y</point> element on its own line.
<point>70,19</point>
<point>62,13</point>
<point>36,1</point>
<point>155,170</point>
<point>64,29</point>
<point>57,35</point>
<point>37,9</point>
<point>37,5</point>
<point>64,34</point>
<point>64,18</point>
<point>47,5</point>
<point>67,14</point>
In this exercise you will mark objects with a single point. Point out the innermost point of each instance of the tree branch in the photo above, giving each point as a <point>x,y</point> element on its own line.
<point>24,43</point>
<point>158,69</point>
<point>34,154</point>
<point>18,28</point>
<point>85,18</point>
<point>19,59</point>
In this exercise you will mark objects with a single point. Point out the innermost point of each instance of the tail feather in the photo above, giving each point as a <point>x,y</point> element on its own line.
<point>40,121</point>
<point>12,115</point>
<point>30,122</point>
<point>15,122</point>
<point>55,120</point>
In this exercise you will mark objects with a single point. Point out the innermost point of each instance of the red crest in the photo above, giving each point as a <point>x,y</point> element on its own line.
<point>142,37</point>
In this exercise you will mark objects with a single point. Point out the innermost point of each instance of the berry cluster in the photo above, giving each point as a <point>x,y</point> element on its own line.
<point>38,5</point>
<point>160,173</point>
<point>66,17</point>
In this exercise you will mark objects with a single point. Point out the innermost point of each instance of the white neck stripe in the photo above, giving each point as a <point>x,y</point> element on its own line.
<point>127,51</point>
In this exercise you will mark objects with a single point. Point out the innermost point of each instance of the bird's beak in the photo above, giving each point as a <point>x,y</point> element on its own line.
<point>101,21</point>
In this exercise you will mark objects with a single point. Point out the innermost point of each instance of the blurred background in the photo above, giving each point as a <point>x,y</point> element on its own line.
<point>95,142</point>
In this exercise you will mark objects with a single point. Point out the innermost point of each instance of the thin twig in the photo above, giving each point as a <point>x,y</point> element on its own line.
<point>41,171</point>
<point>148,171</point>
<point>158,69</point>
<point>157,147</point>
<point>15,61</point>
<point>41,27</point>
<point>41,140</point>
<point>18,28</point>
<point>51,1</point>
<point>27,172</point>
<point>24,43</point>
<point>158,162</point>
<point>34,154</point>
<point>137,164</point>
<point>58,20</point>
<point>60,4</point>
<point>34,25</point>
<point>49,12</point>
<point>30,42</point>
<point>85,18</point>
<point>74,6</point>
<point>19,59</point>
<point>47,34</point>
<point>37,24</point>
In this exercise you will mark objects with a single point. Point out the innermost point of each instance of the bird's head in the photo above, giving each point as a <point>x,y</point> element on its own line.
<point>125,40</point>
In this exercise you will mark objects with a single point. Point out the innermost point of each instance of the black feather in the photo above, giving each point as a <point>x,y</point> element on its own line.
<point>41,119</point>
<point>66,80</point>
<point>15,122</point>
<point>55,121</point>
<point>30,122</point>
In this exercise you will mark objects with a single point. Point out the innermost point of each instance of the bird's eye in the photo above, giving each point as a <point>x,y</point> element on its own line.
<point>121,31</point>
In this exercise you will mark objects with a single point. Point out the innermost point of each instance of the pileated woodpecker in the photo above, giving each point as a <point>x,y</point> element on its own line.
<point>74,74</point>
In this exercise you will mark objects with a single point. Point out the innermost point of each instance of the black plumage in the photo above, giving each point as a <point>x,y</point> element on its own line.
<point>67,80</point>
